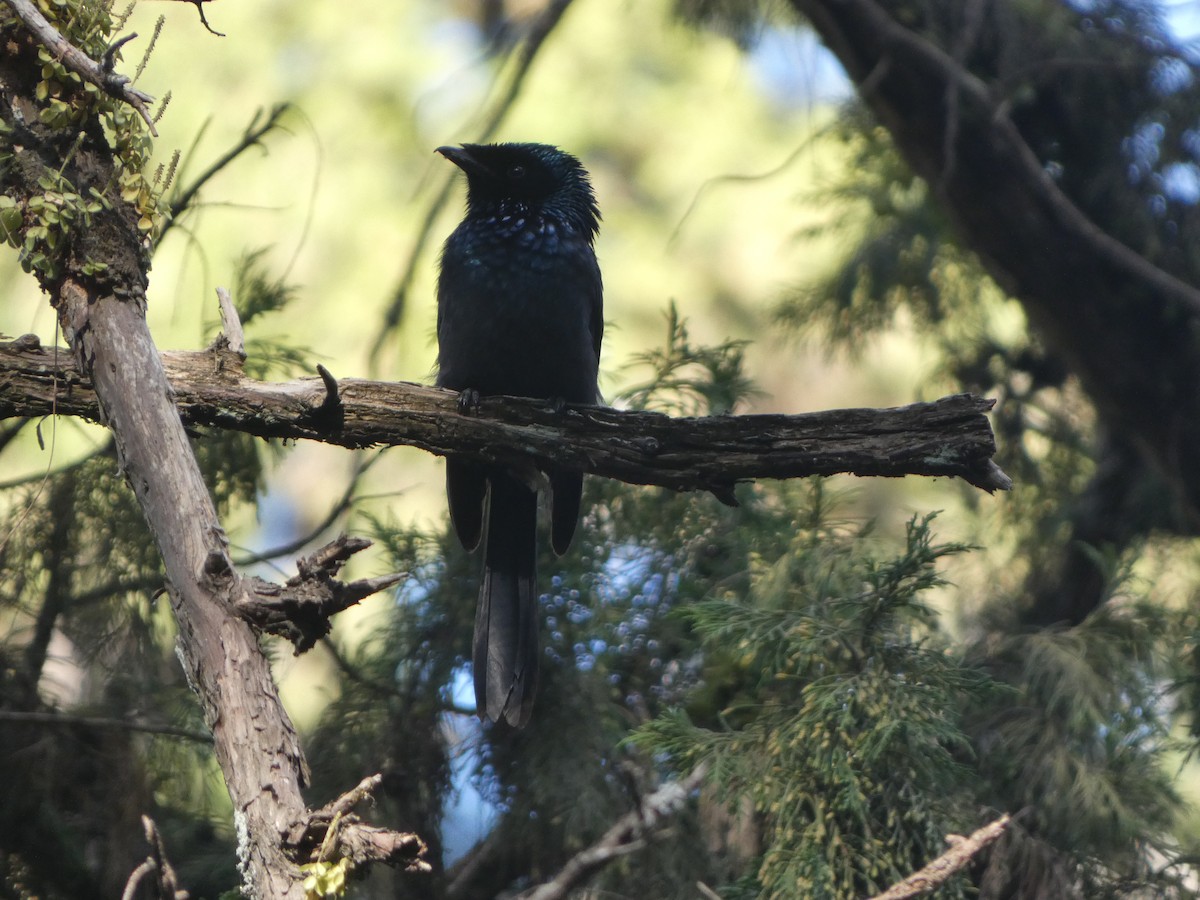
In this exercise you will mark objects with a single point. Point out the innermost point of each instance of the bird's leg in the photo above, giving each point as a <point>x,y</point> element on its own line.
<point>557,404</point>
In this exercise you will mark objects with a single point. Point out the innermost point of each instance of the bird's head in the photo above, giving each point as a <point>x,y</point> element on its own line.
<point>533,177</point>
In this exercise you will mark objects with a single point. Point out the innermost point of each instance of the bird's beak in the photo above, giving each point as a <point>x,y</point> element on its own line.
<point>461,157</point>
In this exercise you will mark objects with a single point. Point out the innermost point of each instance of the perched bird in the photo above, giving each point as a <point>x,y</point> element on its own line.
<point>520,312</point>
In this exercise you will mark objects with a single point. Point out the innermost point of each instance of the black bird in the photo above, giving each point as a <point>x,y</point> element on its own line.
<point>520,312</point>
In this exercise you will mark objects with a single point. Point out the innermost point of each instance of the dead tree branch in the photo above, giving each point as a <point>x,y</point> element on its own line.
<point>260,126</point>
<point>300,610</point>
<point>630,833</point>
<point>958,857</point>
<point>947,437</point>
<point>353,839</point>
<point>156,864</point>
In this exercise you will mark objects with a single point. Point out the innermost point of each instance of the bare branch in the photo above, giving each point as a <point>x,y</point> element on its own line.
<point>134,884</point>
<point>300,610</point>
<point>630,833</point>
<point>962,851</point>
<point>167,887</point>
<point>948,437</point>
<point>231,325</point>
<point>360,843</point>
<point>343,503</point>
<point>199,4</point>
<point>251,137</point>
<point>80,63</point>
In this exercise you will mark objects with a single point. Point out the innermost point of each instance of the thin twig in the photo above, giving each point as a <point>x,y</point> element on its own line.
<point>540,30</point>
<point>199,4</point>
<point>64,720</point>
<point>804,146</point>
<point>344,503</point>
<point>135,879</point>
<point>251,137</point>
<point>80,63</point>
<point>167,887</point>
<point>630,833</point>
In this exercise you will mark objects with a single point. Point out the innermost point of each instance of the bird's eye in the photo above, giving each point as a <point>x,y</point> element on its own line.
<point>516,172</point>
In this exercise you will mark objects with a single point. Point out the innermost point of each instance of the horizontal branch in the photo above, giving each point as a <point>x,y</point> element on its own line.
<point>947,437</point>
<point>66,720</point>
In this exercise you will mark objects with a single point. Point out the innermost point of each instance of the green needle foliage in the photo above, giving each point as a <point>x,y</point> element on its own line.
<point>845,734</point>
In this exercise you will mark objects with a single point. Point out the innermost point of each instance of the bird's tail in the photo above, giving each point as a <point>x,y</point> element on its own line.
<point>506,618</point>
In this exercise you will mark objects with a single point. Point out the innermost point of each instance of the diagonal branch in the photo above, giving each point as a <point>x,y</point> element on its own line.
<point>948,437</point>
<point>1069,216</point>
<point>958,857</point>
<point>1123,324</point>
<point>251,137</point>
<point>629,834</point>
<point>80,63</point>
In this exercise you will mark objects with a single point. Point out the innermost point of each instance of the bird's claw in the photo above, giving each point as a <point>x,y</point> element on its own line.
<point>468,401</point>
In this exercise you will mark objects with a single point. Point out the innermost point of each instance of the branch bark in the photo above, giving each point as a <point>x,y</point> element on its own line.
<point>254,740</point>
<point>950,436</point>
<point>300,610</point>
<point>958,857</point>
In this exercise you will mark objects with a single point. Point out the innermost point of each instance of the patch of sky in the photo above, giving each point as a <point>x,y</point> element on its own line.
<point>794,69</point>
<point>468,816</point>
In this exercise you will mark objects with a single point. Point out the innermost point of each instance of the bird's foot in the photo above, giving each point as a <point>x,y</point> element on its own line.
<point>557,404</point>
<point>468,401</point>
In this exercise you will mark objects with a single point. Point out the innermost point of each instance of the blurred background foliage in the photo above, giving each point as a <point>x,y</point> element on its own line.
<point>862,677</point>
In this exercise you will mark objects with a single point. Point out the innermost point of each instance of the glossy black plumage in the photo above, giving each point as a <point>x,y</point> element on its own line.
<point>519,312</point>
